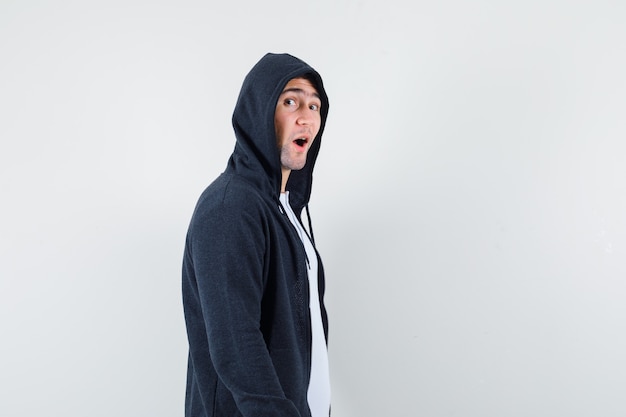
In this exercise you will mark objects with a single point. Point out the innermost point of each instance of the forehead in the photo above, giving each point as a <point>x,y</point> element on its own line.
<point>301,86</point>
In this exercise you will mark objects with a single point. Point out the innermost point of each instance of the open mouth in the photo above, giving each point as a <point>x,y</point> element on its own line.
<point>300,142</point>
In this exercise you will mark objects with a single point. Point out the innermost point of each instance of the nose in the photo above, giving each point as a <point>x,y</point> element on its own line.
<point>305,117</point>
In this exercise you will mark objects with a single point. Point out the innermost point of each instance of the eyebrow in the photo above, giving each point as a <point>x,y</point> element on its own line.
<point>299,91</point>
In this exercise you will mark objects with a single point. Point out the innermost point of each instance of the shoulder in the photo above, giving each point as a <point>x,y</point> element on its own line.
<point>229,198</point>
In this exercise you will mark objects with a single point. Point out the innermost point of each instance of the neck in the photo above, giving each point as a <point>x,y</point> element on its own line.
<point>285,177</point>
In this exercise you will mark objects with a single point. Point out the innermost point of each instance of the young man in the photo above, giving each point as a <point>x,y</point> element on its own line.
<point>253,282</point>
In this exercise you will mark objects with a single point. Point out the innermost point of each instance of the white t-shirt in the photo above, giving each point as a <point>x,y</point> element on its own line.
<point>318,394</point>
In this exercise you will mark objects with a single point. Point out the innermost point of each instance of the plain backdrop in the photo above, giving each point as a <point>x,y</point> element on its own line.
<point>469,202</point>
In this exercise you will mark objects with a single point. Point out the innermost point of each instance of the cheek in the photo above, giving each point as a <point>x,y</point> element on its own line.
<point>278,130</point>
<point>318,124</point>
<point>281,121</point>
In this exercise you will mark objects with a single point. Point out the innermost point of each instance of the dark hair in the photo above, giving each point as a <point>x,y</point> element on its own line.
<point>310,77</point>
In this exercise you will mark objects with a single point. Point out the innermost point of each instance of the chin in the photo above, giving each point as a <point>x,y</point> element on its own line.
<point>297,167</point>
<point>294,165</point>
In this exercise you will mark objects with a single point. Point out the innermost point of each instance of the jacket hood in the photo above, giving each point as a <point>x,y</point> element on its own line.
<point>256,156</point>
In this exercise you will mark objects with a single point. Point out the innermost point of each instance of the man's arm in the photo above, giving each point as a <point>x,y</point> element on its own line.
<point>227,250</point>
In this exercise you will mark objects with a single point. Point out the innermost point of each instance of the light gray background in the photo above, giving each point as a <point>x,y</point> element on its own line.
<point>469,202</point>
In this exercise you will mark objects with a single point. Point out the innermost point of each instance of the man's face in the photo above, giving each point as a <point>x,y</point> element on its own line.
<point>297,120</point>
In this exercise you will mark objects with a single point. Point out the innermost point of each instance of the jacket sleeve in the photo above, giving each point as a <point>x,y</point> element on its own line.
<point>228,247</point>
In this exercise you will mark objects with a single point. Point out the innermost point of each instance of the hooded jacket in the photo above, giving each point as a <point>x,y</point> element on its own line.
<point>244,279</point>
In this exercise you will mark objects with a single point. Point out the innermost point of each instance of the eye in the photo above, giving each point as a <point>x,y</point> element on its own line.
<point>314,107</point>
<point>290,102</point>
